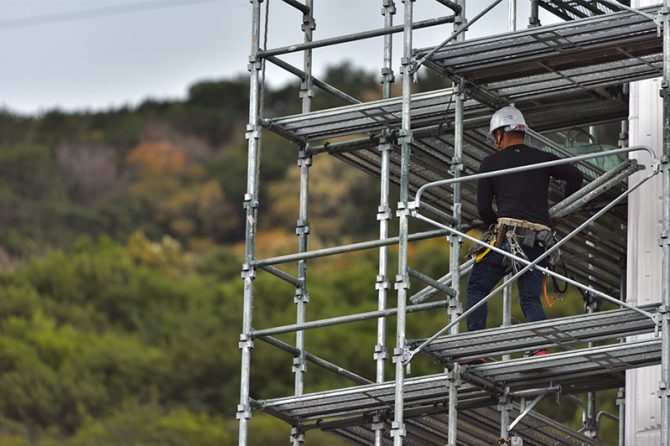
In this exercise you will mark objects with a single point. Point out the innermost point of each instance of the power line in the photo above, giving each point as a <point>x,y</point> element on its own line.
<point>128,8</point>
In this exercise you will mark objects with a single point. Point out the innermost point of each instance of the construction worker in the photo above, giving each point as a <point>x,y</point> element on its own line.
<point>520,223</point>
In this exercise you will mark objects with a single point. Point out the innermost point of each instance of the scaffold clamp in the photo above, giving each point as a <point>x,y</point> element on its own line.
<point>301,296</point>
<point>246,341</point>
<point>663,390</point>
<point>454,375</point>
<point>249,202</point>
<point>402,354</point>
<point>299,364</point>
<point>377,422</point>
<point>381,283</point>
<point>297,435</point>
<point>383,213</point>
<point>248,272</point>
<point>243,412</point>
<point>398,429</point>
<point>304,158</point>
<point>401,281</point>
<point>380,352</point>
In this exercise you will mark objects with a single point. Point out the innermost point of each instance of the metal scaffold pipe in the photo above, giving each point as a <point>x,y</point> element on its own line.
<point>326,365</point>
<point>398,431</point>
<point>251,206</point>
<point>345,319</point>
<point>454,6</point>
<point>302,226</point>
<point>299,6</point>
<point>664,390</point>
<point>346,248</point>
<point>455,241</point>
<point>384,214</point>
<point>354,37</point>
<point>316,82</point>
<point>455,34</point>
<point>574,159</point>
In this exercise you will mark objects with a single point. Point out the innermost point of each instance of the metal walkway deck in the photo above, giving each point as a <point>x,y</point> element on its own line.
<point>350,411</point>
<point>565,333</point>
<point>475,427</point>
<point>578,55</point>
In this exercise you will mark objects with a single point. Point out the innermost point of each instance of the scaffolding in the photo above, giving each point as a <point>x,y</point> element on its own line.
<point>430,145</point>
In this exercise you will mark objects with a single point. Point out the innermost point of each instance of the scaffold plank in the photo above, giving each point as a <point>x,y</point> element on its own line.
<point>475,426</point>
<point>579,9</point>
<point>562,333</point>
<point>624,42</point>
<point>576,371</point>
<point>350,412</point>
<point>580,370</point>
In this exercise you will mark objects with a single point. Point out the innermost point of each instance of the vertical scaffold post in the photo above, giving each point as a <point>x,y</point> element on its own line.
<point>512,15</point>
<point>402,279</point>
<point>590,423</point>
<point>664,386</point>
<point>505,407</point>
<point>534,20</point>
<point>507,291</point>
<point>384,214</point>
<point>251,207</point>
<point>621,400</point>
<point>621,403</point>
<point>455,241</point>
<point>302,226</point>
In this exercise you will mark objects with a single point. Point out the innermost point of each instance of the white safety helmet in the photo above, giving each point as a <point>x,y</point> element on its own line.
<point>508,117</point>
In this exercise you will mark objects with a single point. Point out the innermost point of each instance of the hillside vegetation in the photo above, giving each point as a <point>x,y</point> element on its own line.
<point>121,236</point>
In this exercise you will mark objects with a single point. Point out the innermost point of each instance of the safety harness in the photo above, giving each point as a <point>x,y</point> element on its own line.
<point>519,234</point>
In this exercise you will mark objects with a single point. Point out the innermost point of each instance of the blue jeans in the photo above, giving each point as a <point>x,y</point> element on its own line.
<point>489,271</point>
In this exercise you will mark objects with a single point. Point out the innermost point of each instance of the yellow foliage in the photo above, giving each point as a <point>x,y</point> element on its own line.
<point>199,211</point>
<point>166,255</point>
<point>331,198</point>
<point>157,158</point>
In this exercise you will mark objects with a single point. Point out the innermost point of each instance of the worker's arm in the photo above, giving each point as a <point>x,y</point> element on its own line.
<point>485,197</point>
<point>571,175</point>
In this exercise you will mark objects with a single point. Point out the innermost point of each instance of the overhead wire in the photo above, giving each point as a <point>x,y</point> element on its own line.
<point>127,8</point>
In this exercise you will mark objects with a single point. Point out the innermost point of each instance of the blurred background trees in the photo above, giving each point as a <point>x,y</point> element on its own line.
<point>121,237</point>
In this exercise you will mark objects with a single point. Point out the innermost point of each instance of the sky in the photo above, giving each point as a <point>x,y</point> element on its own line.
<point>88,55</point>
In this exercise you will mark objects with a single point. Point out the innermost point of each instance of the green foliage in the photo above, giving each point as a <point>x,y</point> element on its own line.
<point>136,424</point>
<point>120,290</point>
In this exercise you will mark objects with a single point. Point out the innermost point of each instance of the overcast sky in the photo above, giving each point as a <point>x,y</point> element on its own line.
<point>97,54</point>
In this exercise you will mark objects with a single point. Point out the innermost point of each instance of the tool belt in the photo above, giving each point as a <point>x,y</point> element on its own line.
<point>528,234</point>
<point>519,234</point>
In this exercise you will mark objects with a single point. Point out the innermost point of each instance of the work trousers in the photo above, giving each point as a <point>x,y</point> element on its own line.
<point>488,272</point>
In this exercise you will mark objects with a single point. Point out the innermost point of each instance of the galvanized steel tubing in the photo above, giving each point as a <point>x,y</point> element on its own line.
<point>402,280</point>
<point>302,227</point>
<point>665,234</point>
<point>384,213</point>
<point>251,205</point>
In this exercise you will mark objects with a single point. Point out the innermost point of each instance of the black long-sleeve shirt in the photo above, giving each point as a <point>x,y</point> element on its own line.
<point>522,195</point>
